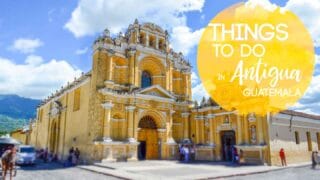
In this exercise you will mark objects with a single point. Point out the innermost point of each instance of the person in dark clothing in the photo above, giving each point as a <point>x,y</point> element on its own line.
<point>314,157</point>
<point>77,154</point>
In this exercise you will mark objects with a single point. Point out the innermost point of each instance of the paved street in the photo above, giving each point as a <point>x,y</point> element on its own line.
<point>298,173</point>
<point>162,170</point>
<point>51,171</point>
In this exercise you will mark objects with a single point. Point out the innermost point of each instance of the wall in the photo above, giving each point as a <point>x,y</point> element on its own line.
<point>282,135</point>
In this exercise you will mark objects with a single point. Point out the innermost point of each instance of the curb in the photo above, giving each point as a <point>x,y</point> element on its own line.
<point>257,172</point>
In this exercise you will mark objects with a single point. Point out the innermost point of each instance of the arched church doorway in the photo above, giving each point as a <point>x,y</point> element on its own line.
<point>54,138</point>
<point>228,140</point>
<point>148,138</point>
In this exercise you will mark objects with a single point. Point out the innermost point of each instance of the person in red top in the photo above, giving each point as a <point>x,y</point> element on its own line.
<point>283,157</point>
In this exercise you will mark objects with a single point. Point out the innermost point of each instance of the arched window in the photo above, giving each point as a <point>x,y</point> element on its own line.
<point>146,80</point>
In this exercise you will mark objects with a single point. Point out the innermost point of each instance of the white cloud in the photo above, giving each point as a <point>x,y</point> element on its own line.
<point>198,92</point>
<point>309,13</point>
<point>34,78</point>
<point>93,16</point>
<point>194,78</point>
<point>310,101</point>
<point>262,3</point>
<point>33,60</point>
<point>183,39</point>
<point>25,45</point>
<point>82,51</point>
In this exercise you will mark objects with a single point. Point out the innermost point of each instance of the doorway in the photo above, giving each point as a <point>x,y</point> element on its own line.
<point>228,140</point>
<point>148,138</point>
<point>142,150</point>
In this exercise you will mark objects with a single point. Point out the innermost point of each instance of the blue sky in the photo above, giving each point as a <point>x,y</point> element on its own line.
<point>39,37</point>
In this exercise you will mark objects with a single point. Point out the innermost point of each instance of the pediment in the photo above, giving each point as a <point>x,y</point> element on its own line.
<point>156,90</point>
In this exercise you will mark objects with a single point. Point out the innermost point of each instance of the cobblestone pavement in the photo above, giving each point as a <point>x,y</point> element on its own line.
<point>53,171</point>
<point>298,173</point>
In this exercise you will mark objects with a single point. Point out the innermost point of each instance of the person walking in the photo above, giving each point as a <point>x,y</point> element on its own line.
<point>45,155</point>
<point>283,157</point>
<point>192,153</point>
<point>77,154</point>
<point>8,160</point>
<point>314,157</point>
<point>181,152</point>
<point>186,153</point>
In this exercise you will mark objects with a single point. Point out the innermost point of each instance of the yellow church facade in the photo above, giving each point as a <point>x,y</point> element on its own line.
<point>136,103</point>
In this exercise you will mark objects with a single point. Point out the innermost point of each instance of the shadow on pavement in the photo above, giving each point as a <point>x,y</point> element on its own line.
<point>40,165</point>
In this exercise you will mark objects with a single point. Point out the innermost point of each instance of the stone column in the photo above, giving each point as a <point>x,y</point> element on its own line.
<point>246,130</point>
<point>185,84</point>
<point>107,122</point>
<point>109,74</point>
<point>218,148</point>
<point>171,143</point>
<point>185,117</point>
<point>131,54</point>
<point>239,130</point>
<point>130,120</point>
<point>212,129</point>
<point>170,76</point>
<point>147,40</point>
<point>202,130</point>
<point>260,130</point>
<point>197,130</point>
<point>169,126</point>
<point>109,66</point>
<point>157,42</point>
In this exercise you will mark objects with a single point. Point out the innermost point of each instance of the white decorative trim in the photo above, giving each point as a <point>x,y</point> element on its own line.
<point>185,114</point>
<point>199,118</point>
<point>130,108</point>
<point>117,120</point>
<point>107,105</point>
<point>108,82</point>
<point>105,91</point>
<point>121,67</point>
<point>225,113</point>
<point>107,140</point>
<point>158,87</point>
<point>206,109</point>
<point>161,130</point>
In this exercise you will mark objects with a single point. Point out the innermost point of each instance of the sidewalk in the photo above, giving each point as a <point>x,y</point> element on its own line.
<point>156,169</point>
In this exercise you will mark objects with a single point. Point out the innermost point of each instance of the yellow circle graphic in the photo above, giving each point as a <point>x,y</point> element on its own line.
<point>255,60</point>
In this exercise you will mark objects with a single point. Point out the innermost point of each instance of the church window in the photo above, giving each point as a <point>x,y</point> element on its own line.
<point>296,134</point>
<point>309,141</point>
<point>146,79</point>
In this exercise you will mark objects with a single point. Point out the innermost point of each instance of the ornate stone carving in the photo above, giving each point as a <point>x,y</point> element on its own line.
<point>252,117</point>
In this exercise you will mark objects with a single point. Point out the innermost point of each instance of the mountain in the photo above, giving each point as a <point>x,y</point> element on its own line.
<point>16,111</point>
